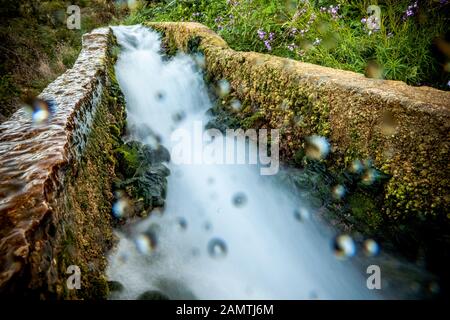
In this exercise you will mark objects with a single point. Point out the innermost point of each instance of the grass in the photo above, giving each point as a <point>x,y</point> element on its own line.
<point>404,48</point>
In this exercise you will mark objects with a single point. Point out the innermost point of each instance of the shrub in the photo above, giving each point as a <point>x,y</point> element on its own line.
<point>336,34</point>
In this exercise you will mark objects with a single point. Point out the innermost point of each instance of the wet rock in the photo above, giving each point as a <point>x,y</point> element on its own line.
<point>153,295</point>
<point>115,286</point>
<point>175,289</point>
<point>142,174</point>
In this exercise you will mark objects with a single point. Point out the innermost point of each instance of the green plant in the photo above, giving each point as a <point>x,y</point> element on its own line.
<point>331,36</point>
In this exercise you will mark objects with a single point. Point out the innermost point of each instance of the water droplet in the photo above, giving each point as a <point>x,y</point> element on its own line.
<point>160,95</point>
<point>195,252</point>
<point>179,116</point>
<point>388,125</point>
<point>301,214</point>
<point>356,166</point>
<point>182,223</point>
<point>217,248</point>
<point>313,295</point>
<point>434,287</point>
<point>119,208</point>
<point>374,70</point>
<point>236,104</point>
<point>123,257</point>
<point>207,226</point>
<point>284,105</point>
<point>200,60</point>
<point>224,88</point>
<point>317,147</point>
<point>338,191</point>
<point>239,199</point>
<point>344,246</point>
<point>371,247</point>
<point>369,177</point>
<point>40,109</point>
<point>146,242</point>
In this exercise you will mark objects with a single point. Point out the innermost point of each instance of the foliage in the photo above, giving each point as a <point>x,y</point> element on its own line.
<point>36,46</point>
<point>330,33</point>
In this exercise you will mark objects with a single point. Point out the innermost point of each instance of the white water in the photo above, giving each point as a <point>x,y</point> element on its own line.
<point>270,255</point>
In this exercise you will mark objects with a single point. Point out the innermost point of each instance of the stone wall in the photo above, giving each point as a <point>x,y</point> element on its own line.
<point>55,181</point>
<point>403,129</point>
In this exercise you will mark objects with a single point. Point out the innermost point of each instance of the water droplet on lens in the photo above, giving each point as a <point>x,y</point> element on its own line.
<point>146,242</point>
<point>160,95</point>
<point>236,104</point>
<point>434,287</point>
<point>369,176</point>
<point>217,248</point>
<point>123,257</point>
<point>40,109</point>
<point>302,214</point>
<point>338,191</point>
<point>207,226</point>
<point>356,166</point>
<point>200,60</point>
<point>374,70</point>
<point>317,147</point>
<point>182,223</point>
<point>179,116</point>
<point>388,125</point>
<point>239,199</point>
<point>119,208</point>
<point>344,246</point>
<point>313,295</point>
<point>195,252</point>
<point>224,88</point>
<point>371,247</point>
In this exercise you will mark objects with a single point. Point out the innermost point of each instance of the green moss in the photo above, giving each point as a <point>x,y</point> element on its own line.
<point>253,121</point>
<point>142,174</point>
<point>365,210</point>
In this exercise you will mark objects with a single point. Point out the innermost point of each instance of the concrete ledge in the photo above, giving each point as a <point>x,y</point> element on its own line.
<point>55,181</point>
<point>304,99</point>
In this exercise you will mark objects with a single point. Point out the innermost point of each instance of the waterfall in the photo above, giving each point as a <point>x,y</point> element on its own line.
<point>226,232</point>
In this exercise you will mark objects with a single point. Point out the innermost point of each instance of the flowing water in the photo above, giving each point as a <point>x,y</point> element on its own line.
<point>227,232</point>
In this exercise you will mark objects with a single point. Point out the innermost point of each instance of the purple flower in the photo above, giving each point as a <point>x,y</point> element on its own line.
<point>298,13</point>
<point>271,36</point>
<point>372,23</point>
<point>267,44</point>
<point>233,2</point>
<point>261,34</point>
<point>291,47</point>
<point>411,10</point>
